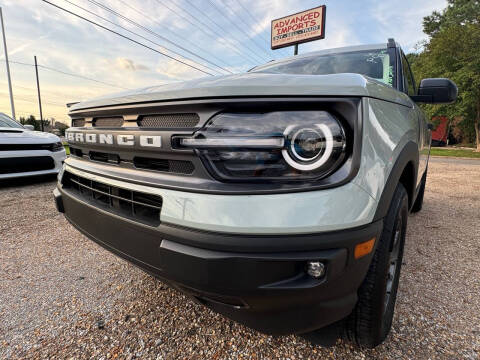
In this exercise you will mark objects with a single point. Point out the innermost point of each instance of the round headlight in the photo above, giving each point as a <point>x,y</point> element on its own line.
<point>309,148</point>
<point>307,144</point>
<point>304,145</point>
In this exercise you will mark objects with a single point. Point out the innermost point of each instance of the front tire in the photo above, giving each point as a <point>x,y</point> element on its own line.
<point>369,323</point>
<point>417,205</point>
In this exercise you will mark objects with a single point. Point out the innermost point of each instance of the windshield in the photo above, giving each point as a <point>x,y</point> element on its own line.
<point>7,121</point>
<point>377,64</point>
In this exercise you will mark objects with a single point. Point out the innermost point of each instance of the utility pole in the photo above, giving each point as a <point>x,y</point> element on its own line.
<point>12,105</point>
<point>38,90</point>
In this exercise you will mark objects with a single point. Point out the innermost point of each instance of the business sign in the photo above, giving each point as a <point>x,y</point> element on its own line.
<point>298,28</point>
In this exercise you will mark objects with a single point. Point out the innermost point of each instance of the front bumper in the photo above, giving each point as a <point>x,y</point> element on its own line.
<point>58,157</point>
<point>257,280</point>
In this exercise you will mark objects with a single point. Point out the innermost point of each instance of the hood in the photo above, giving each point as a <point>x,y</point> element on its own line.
<point>254,84</point>
<point>22,136</point>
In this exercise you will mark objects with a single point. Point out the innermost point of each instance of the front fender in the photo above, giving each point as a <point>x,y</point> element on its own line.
<point>390,136</point>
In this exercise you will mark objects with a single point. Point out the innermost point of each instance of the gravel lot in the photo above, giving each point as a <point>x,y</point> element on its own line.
<point>62,296</point>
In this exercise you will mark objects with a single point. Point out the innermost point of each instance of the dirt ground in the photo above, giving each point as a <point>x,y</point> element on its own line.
<point>62,296</point>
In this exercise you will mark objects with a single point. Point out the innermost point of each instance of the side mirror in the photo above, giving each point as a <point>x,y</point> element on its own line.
<point>29,127</point>
<point>436,91</point>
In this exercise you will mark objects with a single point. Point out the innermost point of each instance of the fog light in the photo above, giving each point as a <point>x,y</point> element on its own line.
<point>315,269</point>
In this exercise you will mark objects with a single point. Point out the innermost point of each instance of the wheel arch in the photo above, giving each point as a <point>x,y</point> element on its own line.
<point>404,171</point>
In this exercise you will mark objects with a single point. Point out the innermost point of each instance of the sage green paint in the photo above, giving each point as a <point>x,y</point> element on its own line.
<point>254,84</point>
<point>390,120</point>
<point>303,212</point>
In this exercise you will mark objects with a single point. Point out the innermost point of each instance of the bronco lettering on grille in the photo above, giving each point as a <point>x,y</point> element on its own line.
<point>110,139</point>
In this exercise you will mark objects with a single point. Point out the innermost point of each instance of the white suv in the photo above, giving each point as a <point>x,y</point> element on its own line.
<point>27,153</point>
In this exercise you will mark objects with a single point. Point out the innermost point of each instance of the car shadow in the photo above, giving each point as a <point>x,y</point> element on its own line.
<point>26,181</point>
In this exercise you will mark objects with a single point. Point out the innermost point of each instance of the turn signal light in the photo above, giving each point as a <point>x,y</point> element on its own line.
<point>364,248</point>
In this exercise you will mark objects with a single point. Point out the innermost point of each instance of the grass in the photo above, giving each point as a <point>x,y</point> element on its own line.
<point>455,152</point>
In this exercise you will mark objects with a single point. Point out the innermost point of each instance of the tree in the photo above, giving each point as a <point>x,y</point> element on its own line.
<point>453,51</point>
<point>31,120</point>
<point>61,127</point>
<point>458,12</point>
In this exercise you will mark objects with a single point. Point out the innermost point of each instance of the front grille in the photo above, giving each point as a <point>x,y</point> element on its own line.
<point>104,157</point>
<point>115,121</point>
<point>187,120</point>
<point>76,152</point>
<point>78,122</point>
<point>25,164</point>
<point>134,205</point>
<point>14,147</point>
<point>165,165</point>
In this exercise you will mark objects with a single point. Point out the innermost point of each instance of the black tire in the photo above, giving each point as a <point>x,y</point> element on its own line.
<point>369,323</point>
<point>417,205</point>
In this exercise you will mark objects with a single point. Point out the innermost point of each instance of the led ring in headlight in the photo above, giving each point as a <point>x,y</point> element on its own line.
<point>303,163</point>
<point>305,145</point>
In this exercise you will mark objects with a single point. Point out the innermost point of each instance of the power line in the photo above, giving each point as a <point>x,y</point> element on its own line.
<point>126,37</point>
<point>149,31</point>
<point>54,104</point>
<point>132,32</point>
<point>215,32</point>
<point>56,96</point>
<point>69,74</point>
<point>57,117</point>
<point>80,76</point>
<point>231,45</point>
<point>222,29</point>
<point>238,27</point>
<point>255,21</point>
<point>20,98</point>
<point>172,33</point>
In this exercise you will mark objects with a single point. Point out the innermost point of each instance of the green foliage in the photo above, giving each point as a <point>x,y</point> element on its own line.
<point>61,127</point>
<point>32,121</point>
<point>453,51</point>
<point>454,153</point>
<point>458,12</point>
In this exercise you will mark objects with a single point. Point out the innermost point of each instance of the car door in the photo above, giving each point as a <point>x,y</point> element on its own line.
<point>424,134</point>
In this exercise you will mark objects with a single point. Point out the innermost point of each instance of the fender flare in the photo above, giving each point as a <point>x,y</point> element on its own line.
<point>409,154</point>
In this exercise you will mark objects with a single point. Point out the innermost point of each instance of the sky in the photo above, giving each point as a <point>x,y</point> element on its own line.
<point>215,36</point>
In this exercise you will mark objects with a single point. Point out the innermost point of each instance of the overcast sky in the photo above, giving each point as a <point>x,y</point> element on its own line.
<point>230,34</point>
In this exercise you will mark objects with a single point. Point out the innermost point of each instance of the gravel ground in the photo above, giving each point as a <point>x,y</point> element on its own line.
<point>62,296</point>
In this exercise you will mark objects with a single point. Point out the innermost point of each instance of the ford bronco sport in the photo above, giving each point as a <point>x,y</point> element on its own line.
<point>278,197</point>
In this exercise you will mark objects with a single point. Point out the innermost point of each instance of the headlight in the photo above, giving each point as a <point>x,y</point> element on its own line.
<point>58,146</point>
<point>277,146</point>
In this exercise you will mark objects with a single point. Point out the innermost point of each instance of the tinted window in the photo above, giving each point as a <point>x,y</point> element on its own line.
<point>7,121</point>
<point>377,64</point>
<point>408,77</point>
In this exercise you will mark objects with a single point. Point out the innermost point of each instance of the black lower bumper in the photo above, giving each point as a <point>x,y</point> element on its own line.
<point>259,281</point>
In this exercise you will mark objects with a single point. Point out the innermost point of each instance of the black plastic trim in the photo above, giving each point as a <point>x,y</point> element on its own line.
<point>58,200</point>
<point>257,280</point>
<point>409,154</point>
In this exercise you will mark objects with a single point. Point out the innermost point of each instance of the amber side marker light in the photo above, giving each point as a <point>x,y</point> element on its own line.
<point>364,248</point>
